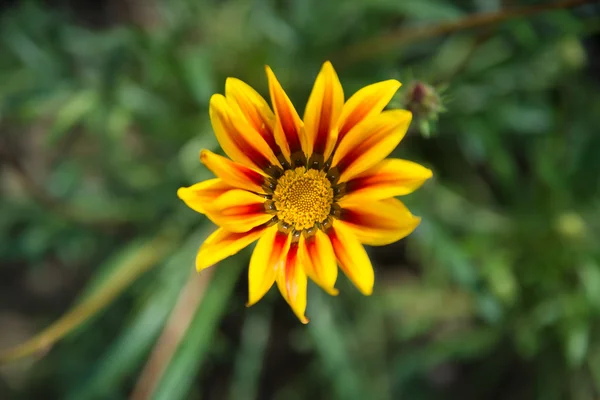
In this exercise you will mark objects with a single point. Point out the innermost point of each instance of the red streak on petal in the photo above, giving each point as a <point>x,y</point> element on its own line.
<point>359,218</point>
<point>235,236</point>
<point>311,249</point>
<point>324,121</point>
<point>210,192</point>
<point>288,125</point>
<point>248,148</point>
<point>361,148</point>
<point>340,252</point>
<point>371,180</point>
<point>290,270</point>
<point>244,210</point>
<point>275,258</point>
<point>252,176</point>
<point>260,123</point>
<point>356,116</point>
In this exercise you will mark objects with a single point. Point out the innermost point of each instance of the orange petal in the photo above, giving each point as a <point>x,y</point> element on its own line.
<point>352,257</point>
<point>240,141</point>
<point>318,259</point>
<point>288,132</point>
<point>378,222</point>
<point>232,173</point>
<point>238,210</point>
<point>291,280</point>
<point>370,142</point>
<point>222,244</point>
<point>254,108</point>
<point>201,194</point>
<point>389,178</point>
<point>322,112</point>
<point>365,103</point>
<point>266,261</point>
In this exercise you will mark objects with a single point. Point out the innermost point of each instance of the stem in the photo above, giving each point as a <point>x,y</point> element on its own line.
<point>389,41</point>
<point>172,334</point>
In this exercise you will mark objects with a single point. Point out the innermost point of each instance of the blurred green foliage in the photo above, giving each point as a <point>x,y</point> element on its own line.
<point>496,295</point>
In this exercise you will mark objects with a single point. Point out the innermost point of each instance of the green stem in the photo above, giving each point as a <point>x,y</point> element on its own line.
<point>388,42</point>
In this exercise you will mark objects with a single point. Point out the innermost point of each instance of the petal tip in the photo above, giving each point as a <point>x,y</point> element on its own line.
<point>200,266</point>
<point>269,72</point>
<point>328,65</point>
<point>204,154</point>
<point>394,83</point>
<point>416,221</point>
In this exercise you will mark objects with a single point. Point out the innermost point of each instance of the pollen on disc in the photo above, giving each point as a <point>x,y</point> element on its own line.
<point>303,198</point>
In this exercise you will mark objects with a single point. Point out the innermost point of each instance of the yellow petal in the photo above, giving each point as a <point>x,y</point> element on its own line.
<point>291,281</point>
<point>266,261</point>
<point>352,257</point>
<point>317,257</point>
<point>389,178</point>
<point>222,244</point>
<point>322,112</point>
<point>378,222</point>
<point>201,194</point>
<point>254,108</point>
<point>240,141</point>
<point>289,128</point>
<point>238,210</point>
<point>232,173</point>
<point>367,102</point>
<point>370,142</point>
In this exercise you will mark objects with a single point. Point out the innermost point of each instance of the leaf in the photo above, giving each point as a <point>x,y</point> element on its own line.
<point>333,351</point>
<point>577,343</point>
<point>250,357</point>
<point>138,259</point>
<point>197,343</point>
<point>127,352</point>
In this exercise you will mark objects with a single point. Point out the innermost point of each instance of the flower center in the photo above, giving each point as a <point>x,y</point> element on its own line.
<point>303,198</point>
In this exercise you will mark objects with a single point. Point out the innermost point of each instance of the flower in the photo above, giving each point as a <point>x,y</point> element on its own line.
<point>312,191</point>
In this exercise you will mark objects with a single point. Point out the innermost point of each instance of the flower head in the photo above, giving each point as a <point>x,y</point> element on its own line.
<point>312,191</point>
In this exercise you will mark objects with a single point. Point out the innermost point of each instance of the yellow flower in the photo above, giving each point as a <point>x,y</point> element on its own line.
<point>311,191</point>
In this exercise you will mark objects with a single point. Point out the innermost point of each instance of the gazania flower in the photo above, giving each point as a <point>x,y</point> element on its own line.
<point>312,191</point>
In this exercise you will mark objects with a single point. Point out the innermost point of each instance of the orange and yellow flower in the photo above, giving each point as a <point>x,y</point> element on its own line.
<point>312,191</point>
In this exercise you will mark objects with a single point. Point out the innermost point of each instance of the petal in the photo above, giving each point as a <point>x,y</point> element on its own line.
<point>240,141</point>
<point>254,108</point>
<point>232,173</point>
<point>288,131</point>
<point>352,257</point>
<point>389,178</point>
<point>322,112</point>
<point>267,259</point>
<point>365,103</point>
<point>378,222</point>
<point>291,281</point>
<point>201,194</point>
<point>370,142</point>
<point>222,244</point>
<point>318,259</point>
<point>238,210</point>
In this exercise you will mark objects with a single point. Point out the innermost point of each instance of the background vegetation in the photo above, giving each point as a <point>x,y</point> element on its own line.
<point>103,109</point>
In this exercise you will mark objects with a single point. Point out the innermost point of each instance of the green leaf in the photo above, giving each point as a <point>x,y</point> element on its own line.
<point>577,343</point>
<point>332,348</point>
<point>126,353</point>
<point>195,346</point>
<point>250,357</point>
